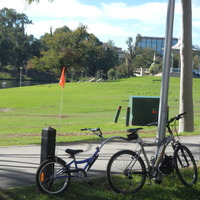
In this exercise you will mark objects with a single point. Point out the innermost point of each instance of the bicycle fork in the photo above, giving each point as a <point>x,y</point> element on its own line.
<point>186,162</point>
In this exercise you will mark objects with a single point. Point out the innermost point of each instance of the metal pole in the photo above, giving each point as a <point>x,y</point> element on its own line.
<point>20,81</point>
<point>162,116</point>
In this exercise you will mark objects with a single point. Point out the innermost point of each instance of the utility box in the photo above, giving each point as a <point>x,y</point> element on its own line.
<point>48,143</point>
<point>143,109</point>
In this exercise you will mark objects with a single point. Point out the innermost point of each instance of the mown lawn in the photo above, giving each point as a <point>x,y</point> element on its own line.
<point>25,111</point>
<point>171,188</point>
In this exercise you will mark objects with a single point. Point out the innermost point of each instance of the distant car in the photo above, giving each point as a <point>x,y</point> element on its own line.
<point>195,72</point>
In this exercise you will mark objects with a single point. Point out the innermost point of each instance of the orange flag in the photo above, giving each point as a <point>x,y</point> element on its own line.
<point>62,78</point>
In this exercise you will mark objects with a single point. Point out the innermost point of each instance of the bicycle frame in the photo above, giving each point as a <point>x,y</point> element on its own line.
<point>89,161</point>
<point>155,161</point>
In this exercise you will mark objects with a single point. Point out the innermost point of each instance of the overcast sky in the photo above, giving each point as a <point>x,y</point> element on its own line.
<point>107,19</point>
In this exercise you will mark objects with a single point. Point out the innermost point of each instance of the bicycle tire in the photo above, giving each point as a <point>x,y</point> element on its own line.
<point>185,166</point>
<point>51,176</point>
<point>126,172</point>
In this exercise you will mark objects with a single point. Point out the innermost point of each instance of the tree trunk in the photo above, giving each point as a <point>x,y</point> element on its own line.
<point>186,124</point>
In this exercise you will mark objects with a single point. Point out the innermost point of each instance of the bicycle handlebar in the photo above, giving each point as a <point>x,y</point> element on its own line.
<point>94,130</point>
<point>177,117</point>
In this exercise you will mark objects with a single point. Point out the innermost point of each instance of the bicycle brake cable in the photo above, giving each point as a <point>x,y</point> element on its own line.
<point>176,130</point>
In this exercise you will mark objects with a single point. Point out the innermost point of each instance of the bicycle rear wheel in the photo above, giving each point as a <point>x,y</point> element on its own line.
<point>126,172</point>
<point>185,166</point>
<point>51,176</point>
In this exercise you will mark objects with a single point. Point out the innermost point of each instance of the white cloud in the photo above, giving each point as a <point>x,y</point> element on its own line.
<point>149,12</point>
<point>19,6</point>
<point>63,9</point>
<point>106,29</point>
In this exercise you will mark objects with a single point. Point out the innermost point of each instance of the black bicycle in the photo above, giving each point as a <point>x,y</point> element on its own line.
<point>127,172</point>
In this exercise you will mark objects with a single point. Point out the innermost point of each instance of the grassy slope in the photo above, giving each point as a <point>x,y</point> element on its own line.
<point>25,111</point>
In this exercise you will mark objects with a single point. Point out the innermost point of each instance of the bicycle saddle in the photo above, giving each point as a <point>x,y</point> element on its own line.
<point>73,152</point>
<point>134,130</point>
<point>134,133</point>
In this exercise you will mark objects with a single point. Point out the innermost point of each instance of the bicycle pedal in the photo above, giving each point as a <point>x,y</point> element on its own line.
<point>88,182</point>
<point>157,181</point>
<point>149,184</point>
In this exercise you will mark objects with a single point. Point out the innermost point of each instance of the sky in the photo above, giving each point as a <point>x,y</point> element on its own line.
<point>115,20</point>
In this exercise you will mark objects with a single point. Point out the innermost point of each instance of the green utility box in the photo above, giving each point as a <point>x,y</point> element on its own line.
<point>144,109</point>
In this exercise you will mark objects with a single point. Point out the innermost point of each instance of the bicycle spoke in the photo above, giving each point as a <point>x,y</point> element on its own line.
<point>125,173</point>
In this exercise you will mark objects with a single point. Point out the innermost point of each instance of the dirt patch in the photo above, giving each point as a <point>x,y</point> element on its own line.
<point>4,109</point>
<point>42,115</point>
<point>62,116</point>
<point>73,134</point>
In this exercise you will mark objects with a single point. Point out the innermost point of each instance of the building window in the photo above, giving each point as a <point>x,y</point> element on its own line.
<point>155,43</point>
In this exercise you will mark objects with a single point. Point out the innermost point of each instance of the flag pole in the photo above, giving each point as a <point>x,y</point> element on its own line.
<point>62,84</point>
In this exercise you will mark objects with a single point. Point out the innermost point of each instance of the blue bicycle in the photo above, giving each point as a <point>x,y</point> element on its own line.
<point>54,175</point>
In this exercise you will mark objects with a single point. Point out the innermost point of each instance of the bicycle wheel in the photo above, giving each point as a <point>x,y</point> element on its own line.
<point>185,165</point>
<point>126,172</point>
<point>51,176</point>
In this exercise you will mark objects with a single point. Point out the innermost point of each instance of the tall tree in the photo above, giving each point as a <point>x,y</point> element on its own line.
<point>132,53</point>
<point>186,100</point>
<point>15,45</point>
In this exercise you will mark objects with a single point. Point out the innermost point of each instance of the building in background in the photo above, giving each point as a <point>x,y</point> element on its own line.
<point>155,43</point>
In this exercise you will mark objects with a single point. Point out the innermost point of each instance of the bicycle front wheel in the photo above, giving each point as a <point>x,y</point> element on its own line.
<point>126,172</point>
<point>185,166</point>
<point>51,177</point>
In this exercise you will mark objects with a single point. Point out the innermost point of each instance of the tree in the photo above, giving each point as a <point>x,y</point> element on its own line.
<point>112,74</point>
<point>15,45</point>
<point>196,62</point>
<point>186,124</point>
<point>144,58</point>
<point>80,51</point>
<point>131,54</point>
<point>155,69</point>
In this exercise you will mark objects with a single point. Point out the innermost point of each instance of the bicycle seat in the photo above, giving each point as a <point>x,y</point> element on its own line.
<point>73,152</point>
<point>134,130</point>
<point>134,133</point>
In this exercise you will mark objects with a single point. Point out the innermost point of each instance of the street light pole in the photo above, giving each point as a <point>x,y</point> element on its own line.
<point>20,78</point>
<point>101,74</point>
<point>162,115</point>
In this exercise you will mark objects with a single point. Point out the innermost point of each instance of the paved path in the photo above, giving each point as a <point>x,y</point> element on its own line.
<point>18,164</point>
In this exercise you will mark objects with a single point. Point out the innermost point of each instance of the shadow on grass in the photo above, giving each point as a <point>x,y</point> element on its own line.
<point>100,190</point>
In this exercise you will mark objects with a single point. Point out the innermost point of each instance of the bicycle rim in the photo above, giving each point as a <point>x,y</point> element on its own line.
<point>185,166</point>
<point>51,177</point>
<point>126,172</point>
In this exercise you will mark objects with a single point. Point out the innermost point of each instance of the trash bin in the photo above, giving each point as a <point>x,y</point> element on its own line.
<point>48,142</point>
<point>144,109</point>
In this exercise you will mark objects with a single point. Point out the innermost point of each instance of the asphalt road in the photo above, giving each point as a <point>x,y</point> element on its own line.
<point>18,164</point>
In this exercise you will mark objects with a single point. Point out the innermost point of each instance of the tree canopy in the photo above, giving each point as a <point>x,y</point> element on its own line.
<point>81,52</point>
<point>15,46</point>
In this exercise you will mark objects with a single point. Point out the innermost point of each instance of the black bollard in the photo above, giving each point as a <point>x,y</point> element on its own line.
<point>128,116</point>
<point>48,143</point>
<point>117,114</point>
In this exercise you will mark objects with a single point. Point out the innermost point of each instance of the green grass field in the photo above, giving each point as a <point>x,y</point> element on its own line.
<point>25,111</point>
<point>171,188</point>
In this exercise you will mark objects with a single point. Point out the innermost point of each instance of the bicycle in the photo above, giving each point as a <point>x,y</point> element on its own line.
<point>127,172</point>
<point>54,174</point>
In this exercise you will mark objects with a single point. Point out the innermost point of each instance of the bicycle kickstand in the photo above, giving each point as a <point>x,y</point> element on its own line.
<point>88,182</point>
<point>82,175</point>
